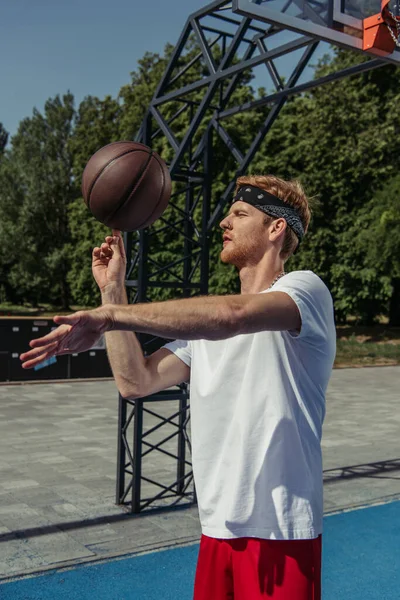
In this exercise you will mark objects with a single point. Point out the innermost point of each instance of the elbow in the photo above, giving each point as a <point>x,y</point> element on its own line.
<point>129,393</point>
<point>131,390</point>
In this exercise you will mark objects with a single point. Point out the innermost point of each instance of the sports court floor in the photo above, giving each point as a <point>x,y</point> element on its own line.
<point>62,536</point>
<point>361,561</point>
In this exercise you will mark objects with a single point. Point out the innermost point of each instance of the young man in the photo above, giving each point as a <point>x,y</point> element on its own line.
<point>259,365</point>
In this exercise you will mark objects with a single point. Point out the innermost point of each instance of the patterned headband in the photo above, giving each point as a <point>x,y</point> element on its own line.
<point>271,205</point>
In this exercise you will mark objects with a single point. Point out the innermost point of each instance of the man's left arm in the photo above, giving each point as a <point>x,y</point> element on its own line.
<point>208,317</point>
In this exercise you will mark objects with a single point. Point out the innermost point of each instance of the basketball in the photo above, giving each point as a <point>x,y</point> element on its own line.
<point>126,185</point>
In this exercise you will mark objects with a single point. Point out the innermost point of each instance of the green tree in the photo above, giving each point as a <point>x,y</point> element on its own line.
<point>36,189</point>
<point>341,141</point>
<point>368,278</point>
<point>86,233</point>
<point>96,125</point>
<point>136,95</point>
<point>3,139</point>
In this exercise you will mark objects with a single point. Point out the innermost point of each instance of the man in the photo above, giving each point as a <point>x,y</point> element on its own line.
<point>259,365</point>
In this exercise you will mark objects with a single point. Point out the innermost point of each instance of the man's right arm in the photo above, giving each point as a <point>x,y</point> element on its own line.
<point>135,375</point>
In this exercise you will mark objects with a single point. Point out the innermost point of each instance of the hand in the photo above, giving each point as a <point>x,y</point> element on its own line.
<point>77,332</point>
<point>109,261</point>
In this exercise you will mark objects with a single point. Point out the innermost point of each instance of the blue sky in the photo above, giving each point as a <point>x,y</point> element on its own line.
<point>85,46</point>
<point>89,47</point>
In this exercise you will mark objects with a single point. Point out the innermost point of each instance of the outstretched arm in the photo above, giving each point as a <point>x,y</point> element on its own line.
<point>210,317</point>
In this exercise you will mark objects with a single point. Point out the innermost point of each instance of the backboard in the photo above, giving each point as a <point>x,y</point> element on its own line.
<point>339,22</point>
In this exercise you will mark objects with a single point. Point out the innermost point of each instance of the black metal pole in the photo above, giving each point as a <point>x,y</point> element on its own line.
<point>137,456</point>
<point>181,470</point>
<point>187,265</point>
<point>205,237</point>
<point>121,451</point>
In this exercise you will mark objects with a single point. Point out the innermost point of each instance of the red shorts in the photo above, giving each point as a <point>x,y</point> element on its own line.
<point>251,568</point>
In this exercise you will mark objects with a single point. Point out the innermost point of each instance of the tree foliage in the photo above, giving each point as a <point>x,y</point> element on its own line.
<point>97,123</point>
<point>3,139</point>
<point>341,140</point>
<point>36,189</point>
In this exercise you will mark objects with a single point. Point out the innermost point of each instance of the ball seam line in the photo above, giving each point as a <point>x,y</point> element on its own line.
<point>160,194</point>
<point>132,191</point>
<point>95,179</point>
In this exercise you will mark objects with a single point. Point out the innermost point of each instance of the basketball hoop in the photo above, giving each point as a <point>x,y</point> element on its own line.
<point>392,22</point>
<point>381,32</point>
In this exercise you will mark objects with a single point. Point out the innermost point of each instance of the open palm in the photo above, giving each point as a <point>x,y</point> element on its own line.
<point>77,333</point>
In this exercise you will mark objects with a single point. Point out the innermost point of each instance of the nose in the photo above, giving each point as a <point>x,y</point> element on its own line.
<point>225,223</point>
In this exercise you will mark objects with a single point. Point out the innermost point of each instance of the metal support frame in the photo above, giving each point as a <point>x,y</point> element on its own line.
<point>216,49</point>
<point>137,487</point>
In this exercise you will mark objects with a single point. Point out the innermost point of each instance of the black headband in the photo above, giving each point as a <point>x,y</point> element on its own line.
<point>271,205</point>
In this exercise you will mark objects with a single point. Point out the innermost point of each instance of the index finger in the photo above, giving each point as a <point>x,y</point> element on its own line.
<point>120,240</point>
<point>53,336</point>
<point>34,357</point>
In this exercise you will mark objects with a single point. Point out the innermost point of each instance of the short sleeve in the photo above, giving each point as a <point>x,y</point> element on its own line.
<point>182,349</point>
<point>314,302</point>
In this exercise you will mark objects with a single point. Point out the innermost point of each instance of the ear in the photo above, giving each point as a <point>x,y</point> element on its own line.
<point>277,230</point>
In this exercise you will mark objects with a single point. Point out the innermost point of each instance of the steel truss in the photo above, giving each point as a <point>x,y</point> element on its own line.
<point>189,121</point>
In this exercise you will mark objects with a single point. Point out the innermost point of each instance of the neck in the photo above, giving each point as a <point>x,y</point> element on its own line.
<point>259,277</point>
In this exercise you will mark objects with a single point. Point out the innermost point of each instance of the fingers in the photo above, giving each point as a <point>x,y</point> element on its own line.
<point>97,254</point>
<point>51,344</point>
<point>119,242</point>
<point>54,336</point>
<point>34,357</point>
<point>106,251</point>
<point>65,320</point>
<point>103,253</point>
<point>114,243</point>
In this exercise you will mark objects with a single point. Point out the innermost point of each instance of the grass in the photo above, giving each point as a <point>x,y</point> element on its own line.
<point>356,346</point>
<point>352,353</point>
<point>367,346</point>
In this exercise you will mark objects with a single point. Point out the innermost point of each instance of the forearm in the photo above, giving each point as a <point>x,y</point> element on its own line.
<point>209,317</point>
<point>123,349</point>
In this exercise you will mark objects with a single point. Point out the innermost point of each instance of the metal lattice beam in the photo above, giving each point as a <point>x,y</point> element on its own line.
<point>189,114</point>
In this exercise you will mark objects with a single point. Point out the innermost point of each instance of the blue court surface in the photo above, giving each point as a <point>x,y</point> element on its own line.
<point>361,561</point>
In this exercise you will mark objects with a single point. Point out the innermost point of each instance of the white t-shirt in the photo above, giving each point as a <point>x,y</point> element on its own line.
<point>257,405</point>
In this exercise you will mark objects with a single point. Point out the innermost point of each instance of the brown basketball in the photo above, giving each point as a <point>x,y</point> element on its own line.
<point>126,185</point>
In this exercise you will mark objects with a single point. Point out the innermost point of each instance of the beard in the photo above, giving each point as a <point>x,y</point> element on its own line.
<point>238,255</point>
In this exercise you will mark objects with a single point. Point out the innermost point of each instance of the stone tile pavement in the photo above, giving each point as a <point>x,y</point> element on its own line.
<point>58,468</point>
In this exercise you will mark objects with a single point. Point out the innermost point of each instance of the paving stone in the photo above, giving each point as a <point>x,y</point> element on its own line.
<point>17,484</point>
<point>58,466</point>
<point>18,556</point>
<point>54,548</point>
<point>6,499</point>
<point>96,534</point>
<point>55,460</point>
<point>21,517</point>
<point>40,496</point>
<point>140,536</point>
